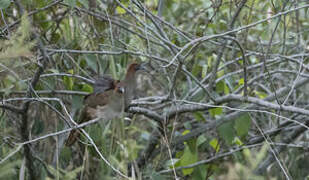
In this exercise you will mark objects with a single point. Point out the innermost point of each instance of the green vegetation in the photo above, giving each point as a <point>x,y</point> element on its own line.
<point>225,97</point>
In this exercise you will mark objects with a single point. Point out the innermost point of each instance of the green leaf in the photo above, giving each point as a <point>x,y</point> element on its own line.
<point>200,172</point>
<point>9,80</point>
<point>226,131</point>
<point>157,176</point>
<point>241,81</point>
<point>95,132</point>
<point>192,145</point>
<point>215,144</point>
<point>91,60</point>
<point>253,59</point>
<point>4,4</point>
<point>200,140</point>
<point>215,111</point>
<point>185,132</point>
<point>261,95</point>
<point>113,68</point>
<point>120,10</point>
<point>71,3</point>
<point>55,37</point>
<point>18,44</point>
<point>199,116</point>
<point>7,170</point>
<point>41,19</point>
<point>169,163</point>
<point>211,59</point>
<point>229,83</point>
<point>38,3</point>
<point>133,148</point>
<point>68,81</point>
<point>196,69</point>
<point>87,88</point>
<point>77,102</point>
<point>56,71</point>
<point>220,73</point>
<point>242,125</point>
<point>49,83</point>
<point>188,158</point>
<point>238,141</point>
<point>204,70</point>
<point>187,125</point>
<point>221,87</point>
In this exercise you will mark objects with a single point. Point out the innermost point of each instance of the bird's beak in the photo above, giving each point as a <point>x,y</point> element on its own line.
<point>142,67</point>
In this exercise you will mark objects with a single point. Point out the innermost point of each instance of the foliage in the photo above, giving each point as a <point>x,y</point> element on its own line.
<point>224,78</point>
<point>18,45</point>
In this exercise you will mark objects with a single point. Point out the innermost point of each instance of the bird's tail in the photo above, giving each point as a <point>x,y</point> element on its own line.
<point>74,135</point>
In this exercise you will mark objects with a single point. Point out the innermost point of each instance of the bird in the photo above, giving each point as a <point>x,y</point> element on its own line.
<point>109,99</point>
<point>104,83</point>
<point>130,82</point>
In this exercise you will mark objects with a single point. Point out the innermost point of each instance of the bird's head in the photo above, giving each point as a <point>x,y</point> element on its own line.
<point>134,67</point>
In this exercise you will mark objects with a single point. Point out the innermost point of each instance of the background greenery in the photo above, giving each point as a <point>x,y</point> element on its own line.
<point>226,96</point>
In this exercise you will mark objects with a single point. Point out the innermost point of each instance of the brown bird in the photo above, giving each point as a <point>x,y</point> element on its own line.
<point>109,99</point>
<point>130,83</point>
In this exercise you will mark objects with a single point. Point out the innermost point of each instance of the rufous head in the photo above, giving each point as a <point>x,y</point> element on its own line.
<point>133,67</point>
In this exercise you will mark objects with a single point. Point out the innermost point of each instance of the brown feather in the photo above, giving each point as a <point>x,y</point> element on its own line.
<point>106,105</point>
<point>109,99</point>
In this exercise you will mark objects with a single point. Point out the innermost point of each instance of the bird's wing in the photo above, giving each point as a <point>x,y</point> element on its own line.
<point>98,99</point>
<point>109,95</point>
<point>103,84</point>
<point>95,105</point>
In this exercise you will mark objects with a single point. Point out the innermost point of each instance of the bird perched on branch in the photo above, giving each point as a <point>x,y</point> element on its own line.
<point>130,84</point>
<point>109,99</point>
